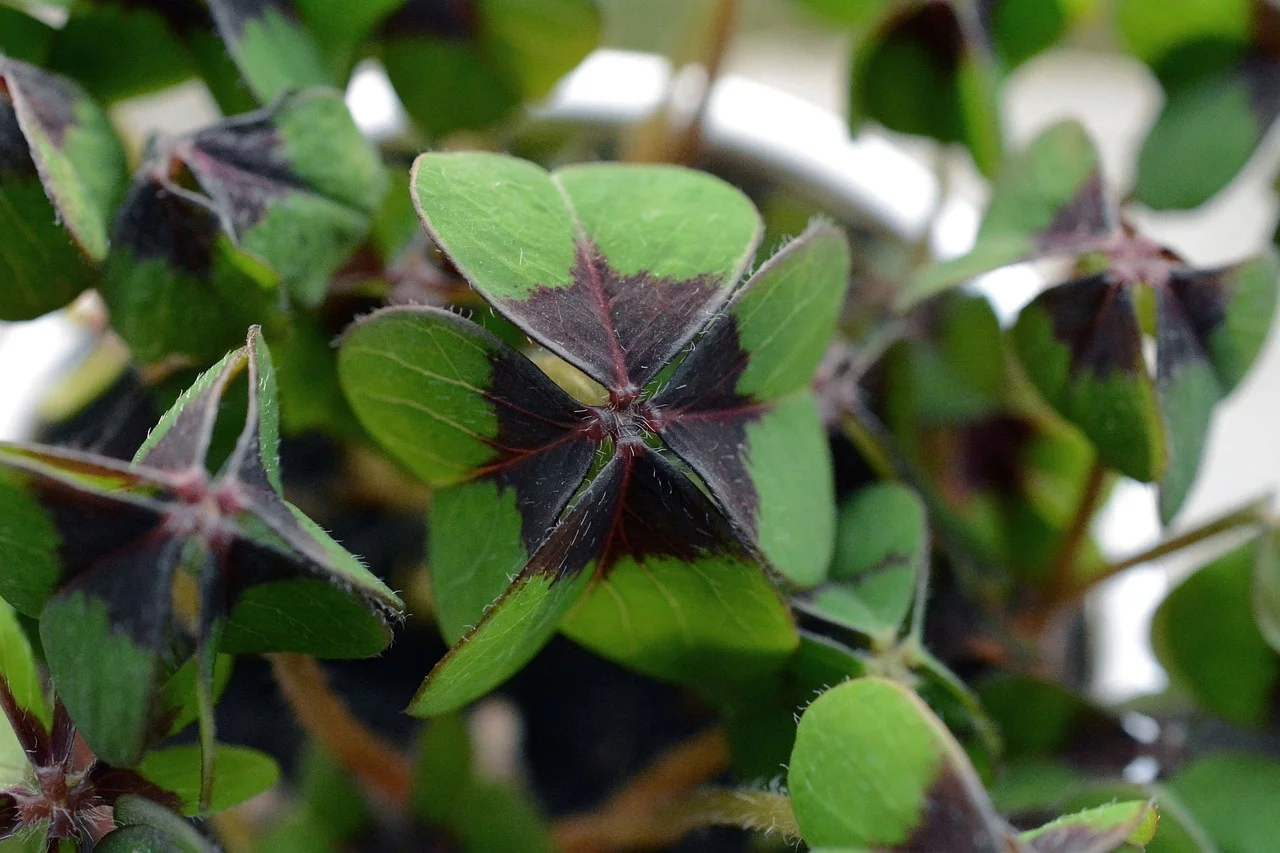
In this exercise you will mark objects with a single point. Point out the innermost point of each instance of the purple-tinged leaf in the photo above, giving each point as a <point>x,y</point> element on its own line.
<point>872,767</point>
<point>118,602</point>
<point>171,260</point>
<point>528,613</point>
<point>112,620</point>
<point>612,267</point>
<point>460,408</point>
<point>738,409</point>
<point>1098,830</point>
<point>1049,200</point>
<point>61,175</point>
<point>1081,346</point>
<point>180,442</point>
<point>679,597</point>
<point>274,52</point>
<point>1211,324</point>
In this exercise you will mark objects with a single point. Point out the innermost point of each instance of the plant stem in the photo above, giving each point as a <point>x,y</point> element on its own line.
<point>1061,579</point>
<point>868,436</point>
<point>686,146</point>
<point>763,811</point>
<point>1252,514</point>
<point>326,717</point>
<point>637,817</point>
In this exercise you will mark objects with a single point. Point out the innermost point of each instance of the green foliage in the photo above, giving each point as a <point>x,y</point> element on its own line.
<point>1207,640</point>
<point>874,768</point>
<point>808,491</point>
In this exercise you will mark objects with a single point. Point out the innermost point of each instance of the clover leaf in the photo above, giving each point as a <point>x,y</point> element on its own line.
<point>615,269</point>
<point>873,768</point>
<point>131,567</point>
<point>1081,343</point>
<point>236,221</point>
<point>61,176</point>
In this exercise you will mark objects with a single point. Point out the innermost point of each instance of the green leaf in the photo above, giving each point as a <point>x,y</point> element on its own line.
<point>1081,346</point>
<point>486,817</point>
<point>873,768</point>
<point>99,46</point>
<point>170,260</point>
<point>1049,199</point>
<point>928,72</point>
<point>341,29</point>
<point>1039,719</point>
<point>460,408</point>
<point>535,246</point>
<point>146,827</point>
<point>1211,326</point>
<point>24,37</point>
<point>1099,829</point>
<point>18,669</point>
<point>1232,796</point>
<point>180,691</point>
<point>239,774</point>
<point>62,173</point>
<point>881,548</point>
<point>1207,640</point>
<point>763,352</point>
<point>512,631</point>
<point>1153,30</point>
<point>760,718</point>
<point>1266,588</point>
<point>28,548</point>
<point>469,66</point>
<point>703,621</point>
<point>89,643</point>
<point>1204,135</point>
<point>274,52</point>
<point>285,194</point>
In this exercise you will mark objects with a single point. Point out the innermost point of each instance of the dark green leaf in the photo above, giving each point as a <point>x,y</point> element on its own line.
<point>1211,326</point>
<point>1207,640</point>
<point>929,72</point>
<point>1081,346</point>
<point>1203,137</point>
<point>760,719</point>
<point>1266,588</point>
<point>23,37</point>
<point>272,48</point>
<point>120,50</point>
<point>146,827</point>
<point>62,171</point>
<point>1232,796</point>
<point>469,64</point>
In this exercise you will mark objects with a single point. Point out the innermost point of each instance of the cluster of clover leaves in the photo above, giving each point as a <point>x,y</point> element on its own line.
<point>671,512</point>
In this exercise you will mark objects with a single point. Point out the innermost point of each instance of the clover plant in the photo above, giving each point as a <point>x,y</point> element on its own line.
<point>716,516</point>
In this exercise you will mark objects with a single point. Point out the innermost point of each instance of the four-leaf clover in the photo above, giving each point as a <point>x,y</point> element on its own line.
<point>639,522</point>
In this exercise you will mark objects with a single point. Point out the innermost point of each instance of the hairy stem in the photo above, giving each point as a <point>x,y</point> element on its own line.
<point>763,811</point>
<point>326,717</point>
<point>638,816</point>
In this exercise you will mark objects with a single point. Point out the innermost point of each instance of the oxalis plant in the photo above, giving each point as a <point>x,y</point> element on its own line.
<point>716,518</point>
